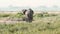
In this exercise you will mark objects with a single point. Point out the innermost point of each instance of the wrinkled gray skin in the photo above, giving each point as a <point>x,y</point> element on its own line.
<point>28,15</point>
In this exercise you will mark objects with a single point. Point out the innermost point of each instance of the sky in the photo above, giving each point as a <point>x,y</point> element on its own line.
<point>29,3</point>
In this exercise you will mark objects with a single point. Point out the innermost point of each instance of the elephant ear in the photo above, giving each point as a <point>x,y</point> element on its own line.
<point>31,11</point>
<point>24,11</point>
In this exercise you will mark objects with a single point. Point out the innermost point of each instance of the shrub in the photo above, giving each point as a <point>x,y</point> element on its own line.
<point>18,15</point>
<point>44,14</point>
<point>4,15</point>
<point>38,15</point>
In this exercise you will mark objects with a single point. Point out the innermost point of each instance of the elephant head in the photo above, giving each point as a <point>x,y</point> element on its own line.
<point>28,14</point>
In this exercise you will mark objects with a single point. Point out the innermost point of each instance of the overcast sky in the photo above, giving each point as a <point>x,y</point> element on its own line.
<point>29,3</point>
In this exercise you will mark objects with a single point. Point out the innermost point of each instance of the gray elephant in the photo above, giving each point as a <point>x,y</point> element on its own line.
<point>28,15</point>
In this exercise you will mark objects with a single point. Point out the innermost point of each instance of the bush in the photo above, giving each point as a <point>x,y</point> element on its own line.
<point>53,14</point>
<point>44,14</point>
<point>19,15</point>
<point>38,15</point>
<point>4,15</point>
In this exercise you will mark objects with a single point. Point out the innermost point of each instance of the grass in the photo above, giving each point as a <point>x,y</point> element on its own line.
<point>30,28</point>
<point>49,24</point>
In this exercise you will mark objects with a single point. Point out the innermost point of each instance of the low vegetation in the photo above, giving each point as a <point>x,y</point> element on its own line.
<point>43,23</point>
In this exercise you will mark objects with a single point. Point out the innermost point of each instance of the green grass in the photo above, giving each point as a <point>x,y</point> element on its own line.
<point>30,28</point>
<point>49,24</point>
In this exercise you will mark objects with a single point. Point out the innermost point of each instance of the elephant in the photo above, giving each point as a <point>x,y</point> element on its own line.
<point>28,15</point>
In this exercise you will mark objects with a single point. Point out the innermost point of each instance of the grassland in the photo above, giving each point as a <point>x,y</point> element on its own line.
<point>43,23</point>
